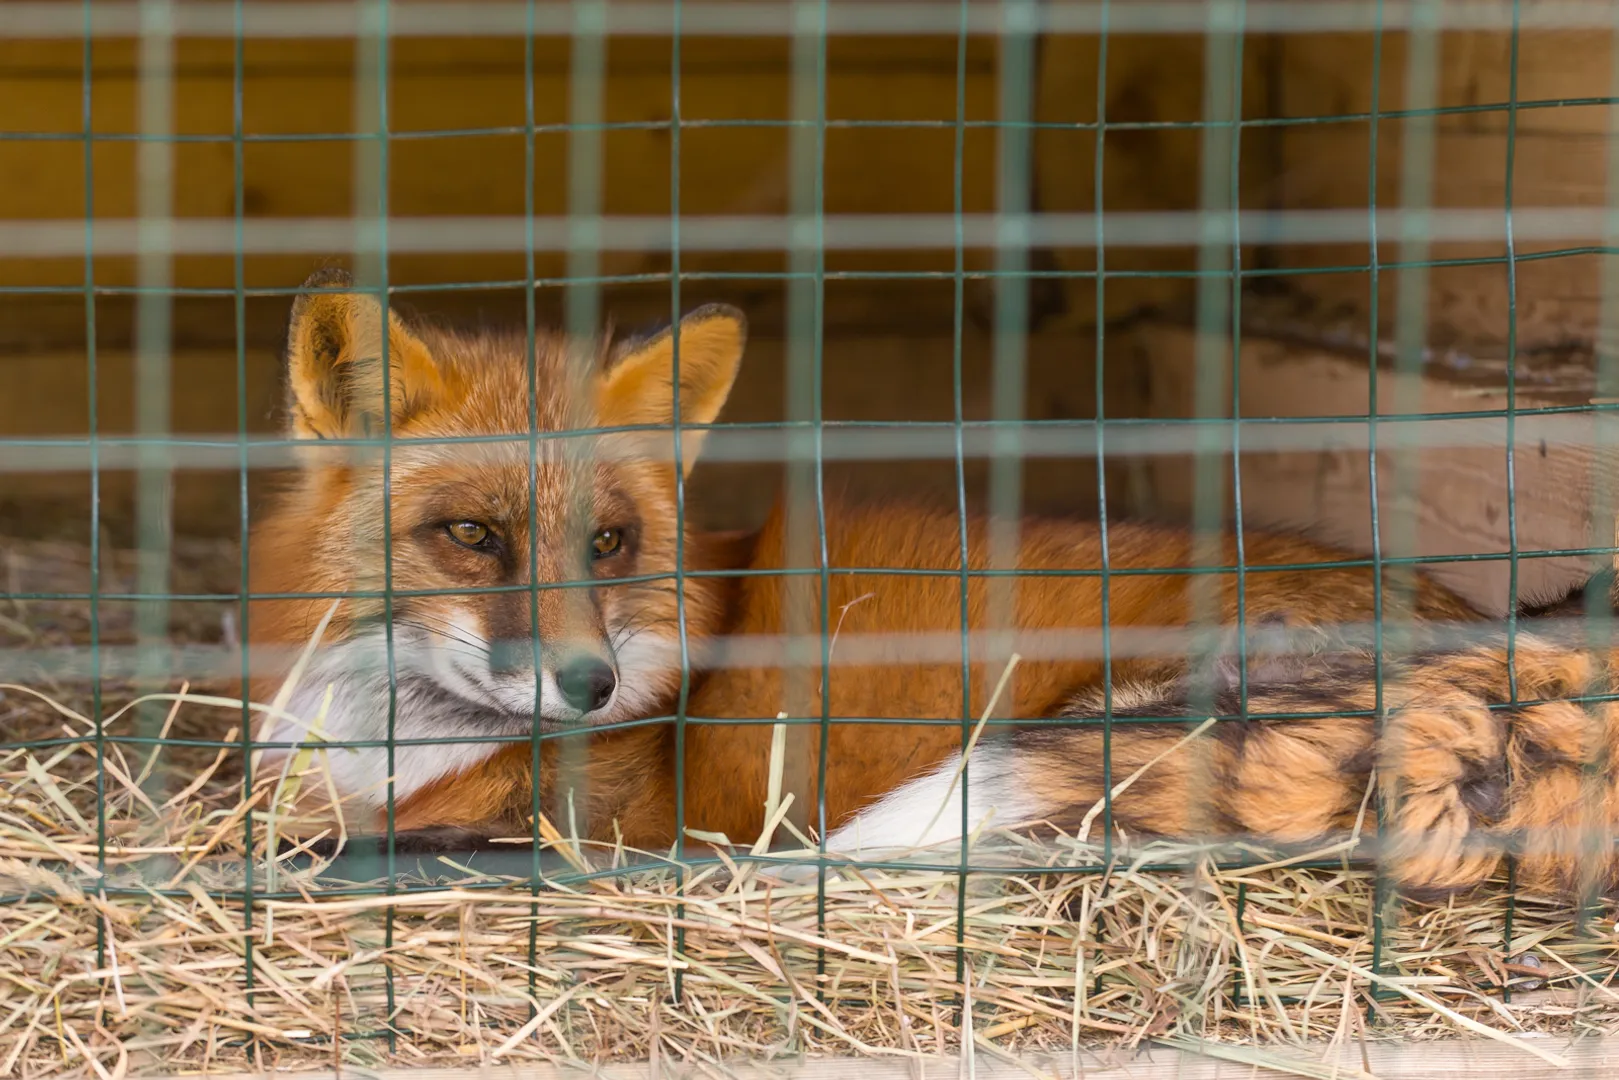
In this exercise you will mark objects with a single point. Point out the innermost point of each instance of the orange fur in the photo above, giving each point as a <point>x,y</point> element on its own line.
<point>1276,780</point>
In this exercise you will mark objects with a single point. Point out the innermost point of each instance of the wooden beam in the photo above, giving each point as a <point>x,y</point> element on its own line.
<point>1442,482</point>
<point>867,376</point>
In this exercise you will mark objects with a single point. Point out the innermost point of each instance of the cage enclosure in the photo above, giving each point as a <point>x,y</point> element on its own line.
<point>1338,269</point>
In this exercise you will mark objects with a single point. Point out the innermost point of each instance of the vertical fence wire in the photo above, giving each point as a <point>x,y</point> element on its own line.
<point>1009,362</point>
<point>1233,156</point>
<point>154,274</point>
<point>1104,581</point>
<point>93,427</point>
<point>153,389</point>
<point>957,329</point>
<point>1510,462</point>
<point>1217,362</point>
<point>683,699</point>
<point>1398,530</point>
<point>1604,498</point>
<point>531,495</point>
<point>1217,335</point>
<point>1374,315</point>
<point>1104,552</point>
<point>373,55</point>
<point>1229,106</point>
<point>587,73</point>
<point>244,499</point>
<point>805,545</point>
<point>153,332</point>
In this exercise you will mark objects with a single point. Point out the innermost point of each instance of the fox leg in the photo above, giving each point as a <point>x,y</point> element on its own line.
<point>494,798</point>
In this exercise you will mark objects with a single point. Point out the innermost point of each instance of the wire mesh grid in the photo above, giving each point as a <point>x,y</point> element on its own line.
<point>1221,227</point>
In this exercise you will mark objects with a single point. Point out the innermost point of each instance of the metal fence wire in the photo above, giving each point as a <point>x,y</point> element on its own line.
<point>1216,435</point>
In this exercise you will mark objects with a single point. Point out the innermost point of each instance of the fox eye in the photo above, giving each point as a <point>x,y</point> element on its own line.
<point>468,533</point>
<point>606,542</point>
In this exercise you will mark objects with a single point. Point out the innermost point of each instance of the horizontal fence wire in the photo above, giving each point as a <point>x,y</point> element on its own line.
<point>841,232</point>
<point>654,277</point>
<point>830,124</point>
<point>779,18</point>
<point>1384,440</point>
<point>1534,430</point>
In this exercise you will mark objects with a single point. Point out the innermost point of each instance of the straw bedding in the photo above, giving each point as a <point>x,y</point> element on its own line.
<point>158,966</point>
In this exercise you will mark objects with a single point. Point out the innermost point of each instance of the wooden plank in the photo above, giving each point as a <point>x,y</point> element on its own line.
<point>1560,161</point>
<point>892,376</point>
<point>1588,1059</point>
<point>306,87</point>
<point>1454,499</point>
<point>1152,78</point>
<point>302,88</point>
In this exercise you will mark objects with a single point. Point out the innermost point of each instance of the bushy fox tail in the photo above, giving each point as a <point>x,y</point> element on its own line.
<point>1461,769</point>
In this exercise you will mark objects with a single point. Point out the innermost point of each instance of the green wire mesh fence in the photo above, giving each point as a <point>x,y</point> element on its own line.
<point>1223,227</point>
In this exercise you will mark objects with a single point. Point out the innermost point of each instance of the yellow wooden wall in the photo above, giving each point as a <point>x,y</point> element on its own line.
<point>293,88</point>
<point>302,87</point>
<point>1561,154</point>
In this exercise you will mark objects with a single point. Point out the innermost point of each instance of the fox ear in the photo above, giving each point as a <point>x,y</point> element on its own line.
<point>334,363</point>
<point>638,386</point>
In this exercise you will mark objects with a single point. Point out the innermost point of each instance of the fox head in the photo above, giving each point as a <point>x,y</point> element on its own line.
<point>517,562</point>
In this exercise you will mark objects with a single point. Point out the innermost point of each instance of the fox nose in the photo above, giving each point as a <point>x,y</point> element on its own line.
<point>586,682</point>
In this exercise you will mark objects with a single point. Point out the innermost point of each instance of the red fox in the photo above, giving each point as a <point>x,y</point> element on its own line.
<point>570,544</point>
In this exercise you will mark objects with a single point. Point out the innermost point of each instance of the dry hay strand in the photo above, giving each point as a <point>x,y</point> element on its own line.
<point>147,929</point>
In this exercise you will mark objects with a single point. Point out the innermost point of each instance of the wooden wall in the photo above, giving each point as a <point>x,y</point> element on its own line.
<point>733,155</point>
<point>888,342</point>
<point>1560,162</point>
